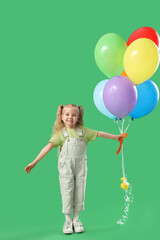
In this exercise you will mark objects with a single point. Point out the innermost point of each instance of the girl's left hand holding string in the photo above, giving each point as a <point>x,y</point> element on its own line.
<point>119,138</point>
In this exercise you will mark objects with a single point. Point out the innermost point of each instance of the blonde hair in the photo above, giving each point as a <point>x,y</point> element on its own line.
<point>58,125</point>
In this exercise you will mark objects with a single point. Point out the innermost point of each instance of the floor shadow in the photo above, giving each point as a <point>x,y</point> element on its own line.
<point>93,232</point>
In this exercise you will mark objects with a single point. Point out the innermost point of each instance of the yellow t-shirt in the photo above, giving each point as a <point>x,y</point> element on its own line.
<point>58,139</point>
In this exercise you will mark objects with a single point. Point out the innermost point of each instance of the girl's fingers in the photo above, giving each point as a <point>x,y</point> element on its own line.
<point>27,169</point>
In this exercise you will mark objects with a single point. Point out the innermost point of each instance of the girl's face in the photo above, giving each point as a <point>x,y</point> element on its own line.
<point>70,117</point>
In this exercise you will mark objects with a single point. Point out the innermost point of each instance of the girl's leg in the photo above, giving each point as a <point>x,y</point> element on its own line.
<point>68,225</point>
<point>79,187</point>
<point>75,215</point>
<point>68,217</point>
<point>77,225</point>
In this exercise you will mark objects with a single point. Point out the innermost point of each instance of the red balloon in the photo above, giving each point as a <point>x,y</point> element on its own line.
<point>144,32</point>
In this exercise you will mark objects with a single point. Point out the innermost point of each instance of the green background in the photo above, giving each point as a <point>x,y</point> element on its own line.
<point>47,59</point>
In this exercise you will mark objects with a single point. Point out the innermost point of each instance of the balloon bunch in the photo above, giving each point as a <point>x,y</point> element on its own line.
<point>128,89</point>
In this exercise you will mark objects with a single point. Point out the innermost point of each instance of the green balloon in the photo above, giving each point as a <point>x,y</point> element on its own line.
<point>109,52</point>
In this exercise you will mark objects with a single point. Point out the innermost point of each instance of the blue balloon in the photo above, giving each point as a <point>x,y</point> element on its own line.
<point>148,97</point>
<point>98,99</point>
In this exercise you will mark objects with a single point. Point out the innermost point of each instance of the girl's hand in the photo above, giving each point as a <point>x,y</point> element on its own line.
<point>29,167</point>
<point>119,138</point>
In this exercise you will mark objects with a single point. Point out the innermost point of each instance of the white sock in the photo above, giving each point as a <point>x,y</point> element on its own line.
<point>68,217</point>
<point>75,215</point>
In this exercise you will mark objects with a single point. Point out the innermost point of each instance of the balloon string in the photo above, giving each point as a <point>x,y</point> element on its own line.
<point>121,131</point>
<point>128,125</point>
<point>123,163</point>
<point>117,121</point>
<point>118,124</point>
<point>128,192</point>
<point>123,134</point>
<point>122,152</point>
<point>121,141</point>
<point>123,124</point>
<point>128,200</point>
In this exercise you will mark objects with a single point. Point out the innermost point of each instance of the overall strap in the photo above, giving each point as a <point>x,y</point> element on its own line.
<point>65,134</point>
<point>79,132</point>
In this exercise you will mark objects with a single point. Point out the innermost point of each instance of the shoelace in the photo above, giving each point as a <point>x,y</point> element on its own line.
<point>77,223</point>
<point>68,225</point>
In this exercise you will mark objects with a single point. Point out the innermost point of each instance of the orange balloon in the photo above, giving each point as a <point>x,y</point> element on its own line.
<point>124,74</point>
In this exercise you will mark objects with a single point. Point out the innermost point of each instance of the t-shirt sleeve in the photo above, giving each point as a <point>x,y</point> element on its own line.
<point>56,139</point>
<point>89,134</point>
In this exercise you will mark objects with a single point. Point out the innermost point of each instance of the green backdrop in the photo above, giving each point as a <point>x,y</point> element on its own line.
<point>47,59</point>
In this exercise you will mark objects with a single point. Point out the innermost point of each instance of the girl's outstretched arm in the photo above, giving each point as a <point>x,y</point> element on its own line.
<point>41,155</point>
<point>110,136</point>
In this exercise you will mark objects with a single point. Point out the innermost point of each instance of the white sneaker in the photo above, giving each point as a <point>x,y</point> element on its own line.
<point>68,227</point>
<point>77,226</point>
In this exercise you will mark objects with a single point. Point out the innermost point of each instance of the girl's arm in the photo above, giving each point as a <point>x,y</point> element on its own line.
<point>43,152</point>
<point>110,136</point>
<point>41,155</point>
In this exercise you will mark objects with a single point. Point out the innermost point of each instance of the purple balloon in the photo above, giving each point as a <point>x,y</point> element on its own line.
<point>120,96</point>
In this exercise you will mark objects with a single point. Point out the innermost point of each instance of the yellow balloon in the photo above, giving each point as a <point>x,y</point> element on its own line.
<point>141,60</point>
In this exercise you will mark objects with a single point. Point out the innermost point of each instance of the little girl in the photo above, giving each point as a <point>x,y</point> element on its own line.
<point>71,137</point>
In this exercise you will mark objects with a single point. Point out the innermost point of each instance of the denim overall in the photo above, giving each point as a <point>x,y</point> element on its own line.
<point>72,166</point>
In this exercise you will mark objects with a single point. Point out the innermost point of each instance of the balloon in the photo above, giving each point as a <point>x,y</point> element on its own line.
<point>141,60</point>
<point>109,52</point>
<point>98,99</point>
<point>120,96</point>
<point>148,96</point>
<point>124,74</point>
<point>144,32</point>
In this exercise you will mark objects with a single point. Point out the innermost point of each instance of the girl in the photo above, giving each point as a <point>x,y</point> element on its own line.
<point>71,137</point>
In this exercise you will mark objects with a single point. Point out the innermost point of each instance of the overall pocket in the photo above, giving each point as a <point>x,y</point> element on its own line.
<point>61,162</point>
